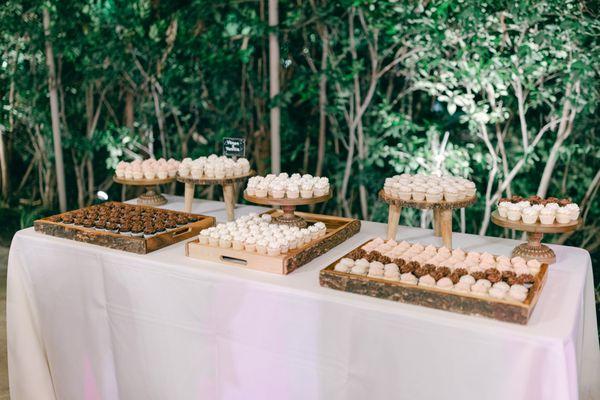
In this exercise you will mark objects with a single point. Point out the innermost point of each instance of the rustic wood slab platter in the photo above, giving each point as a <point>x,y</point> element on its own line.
<point>338,230</point>
<point>432,297</point>
<point>139,245</point>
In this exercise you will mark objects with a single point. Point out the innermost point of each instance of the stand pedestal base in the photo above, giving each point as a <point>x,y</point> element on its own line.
<point>534,249</point>
<point>289,218</point>
<point>151,198</point>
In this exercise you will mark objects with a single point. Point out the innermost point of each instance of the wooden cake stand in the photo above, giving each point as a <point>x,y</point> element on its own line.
<point>288,206</point>
<point>152,197</point>
<point>228,185</point>
<point>442,214</point>
<point>534,249</point>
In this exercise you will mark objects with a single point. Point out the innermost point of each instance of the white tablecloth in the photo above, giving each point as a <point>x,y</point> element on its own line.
<point>86,322</point>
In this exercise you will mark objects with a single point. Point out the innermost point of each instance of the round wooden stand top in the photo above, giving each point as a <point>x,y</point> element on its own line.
<point>215,181</point>
<point>143,182</point>
<point>535,228</point>
<point>426,205</point>
<point>285,201</point>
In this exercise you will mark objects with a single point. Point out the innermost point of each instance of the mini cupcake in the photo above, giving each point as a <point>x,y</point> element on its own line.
<point>149,231</point>
<point>418,192</point>
<point>278,190</point>
<point>404,192</point>
<point>321,189</point>
<point>197,170</point>
<point>274,248</point>
<point>293,191</point>
<point>529,215</point>
<point>219,171</point>
<point>213,239</point>
<point>209,171</point>
<point>306,190</point>
<point>250,244</point>
<point>574,211</point>
<point>503,209</point>
<point>284,246</point>
<point>434,194</point>
<point>203,236</point>
<point>238,242</point>
<point>451,194</point>
<point>514,212</point>
<point>470,187</point>
<point>261,246</point>
<point>137,230</point>
<point>162,173</point>
<point>225,241</point>
<point>183,170</point>
<point>261,190</point>
<point>547,216</point>
<point>138,175</point>
<point>563,215</point>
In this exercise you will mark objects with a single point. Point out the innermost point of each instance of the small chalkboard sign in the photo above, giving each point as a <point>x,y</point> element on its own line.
<point>234,147</point>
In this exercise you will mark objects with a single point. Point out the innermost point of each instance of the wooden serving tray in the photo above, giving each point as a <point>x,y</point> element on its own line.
<point>139,245</point>
<point>338,230</point>
<point>432,297</point>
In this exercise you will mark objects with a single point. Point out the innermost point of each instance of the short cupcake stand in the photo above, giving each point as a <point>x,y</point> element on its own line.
<point>533,248</point>
<point>288,207</point>
<point>442,214</point>
<point>228,185</point>
<point>152,196</point>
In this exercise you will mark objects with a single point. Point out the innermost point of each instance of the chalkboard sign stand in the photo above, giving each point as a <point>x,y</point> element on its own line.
<point>228,185</point>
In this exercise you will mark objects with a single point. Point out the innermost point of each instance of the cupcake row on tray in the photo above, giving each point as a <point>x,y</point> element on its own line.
<point>147,169</point>
<point>125,220</point>
<point>546,213</point>
<point>213,167</point>
<point>258,234</point>
<point>420,187</point>
<point>286,186</point>
<point>481,274</point>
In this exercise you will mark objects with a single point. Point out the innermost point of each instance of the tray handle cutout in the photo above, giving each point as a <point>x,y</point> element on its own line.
<point>181,231</point>
<point>234,260</point>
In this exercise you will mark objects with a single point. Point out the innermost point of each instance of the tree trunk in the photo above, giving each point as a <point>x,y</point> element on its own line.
<point>322,102</point>
<point>129,107</point>
<point>58,154</point>
<point>274,87</point>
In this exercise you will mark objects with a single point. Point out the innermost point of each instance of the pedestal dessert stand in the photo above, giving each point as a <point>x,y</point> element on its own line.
<point>152,197</point>
<point>442,214</point>
<point>288,206</point>
<point>228,185</point>
<point>534,249</point>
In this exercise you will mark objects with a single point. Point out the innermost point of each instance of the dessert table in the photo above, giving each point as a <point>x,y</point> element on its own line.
<point>88,322</point>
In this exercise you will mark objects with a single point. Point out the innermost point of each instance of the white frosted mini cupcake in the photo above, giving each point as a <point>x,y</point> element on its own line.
<point>503,209</point>
<point>547,216</point>
<point>514,212</point>
<point>563,215</point>
<point>306,190</point>
<point>250,244</point>
<point>574,211</point>
<point>278,190</point>
<point>418,192</point>
<point>261,246</point>
<point>261,190</point>
<point>434,194</point>
<point>451,194</point>
<point>274,248</point>
<point>404,192</point>
<point>203,237</point>
<point>529,215</point>
<point>293,191</point>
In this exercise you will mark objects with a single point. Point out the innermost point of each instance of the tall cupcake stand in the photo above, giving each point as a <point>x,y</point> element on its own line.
<point>288,207</point>
<point>442,214</point>
<point>533,249</point>
<point>228,185</point>
<point>152,196</point>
